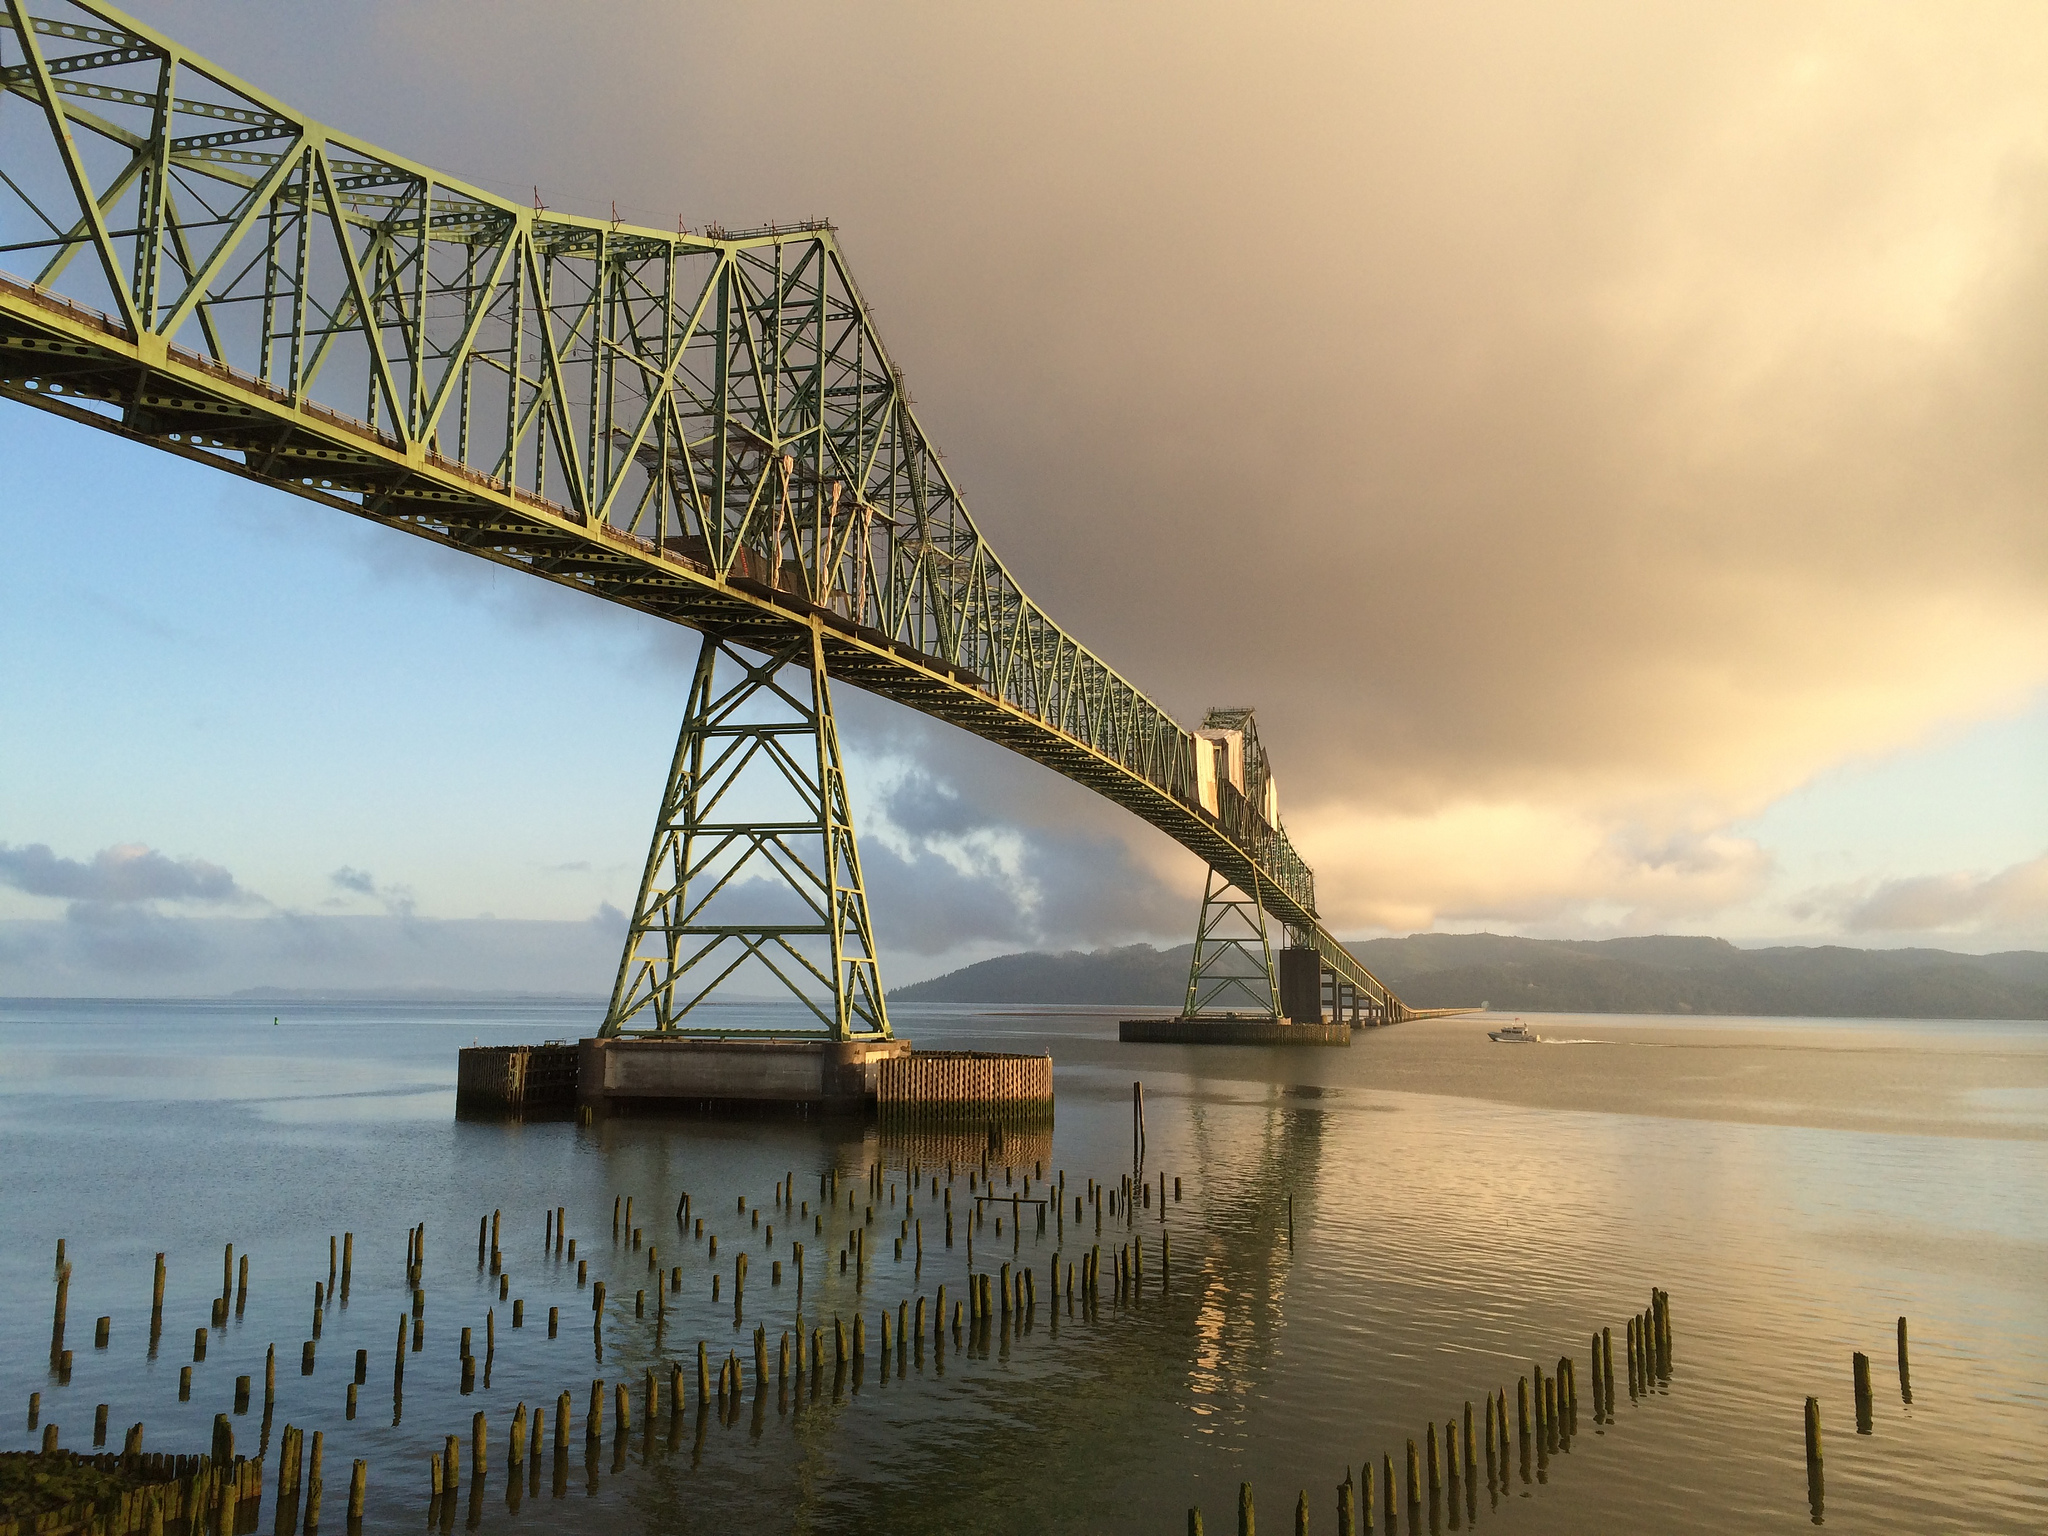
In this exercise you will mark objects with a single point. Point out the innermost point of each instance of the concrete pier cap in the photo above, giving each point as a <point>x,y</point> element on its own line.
<point>762,1075</point>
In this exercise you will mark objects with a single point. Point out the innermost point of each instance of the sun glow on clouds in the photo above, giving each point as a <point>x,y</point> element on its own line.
<point>1574,428</point>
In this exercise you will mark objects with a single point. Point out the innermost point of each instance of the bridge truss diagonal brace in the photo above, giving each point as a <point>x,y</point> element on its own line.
<point>1232,969</point>
<point>753,874</point>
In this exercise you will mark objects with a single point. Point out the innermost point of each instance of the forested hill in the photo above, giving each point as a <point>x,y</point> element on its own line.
<point>1647,975</point>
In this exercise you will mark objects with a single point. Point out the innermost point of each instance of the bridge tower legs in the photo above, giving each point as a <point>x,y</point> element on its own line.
<point>753,873</point>
<point>1232,969</point>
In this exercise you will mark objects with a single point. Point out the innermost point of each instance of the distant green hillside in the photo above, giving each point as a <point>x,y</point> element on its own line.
<point>1647,975</point>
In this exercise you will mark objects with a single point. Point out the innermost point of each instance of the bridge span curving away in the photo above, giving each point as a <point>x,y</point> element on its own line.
<point>701,425</point>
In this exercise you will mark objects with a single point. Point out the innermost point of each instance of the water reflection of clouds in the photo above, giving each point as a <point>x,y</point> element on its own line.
<point>423,1102</point>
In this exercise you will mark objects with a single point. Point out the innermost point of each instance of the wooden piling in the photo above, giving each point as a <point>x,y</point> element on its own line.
<point>562,1407</point>
<point>1813,1453</point>
<point>1522,1408</point>
<point>1905,1373</point>
<point>1414,1477</point>
<point>1436,1481</point>
<point>358,1491</point>
<point>593,1429</point>
<point>1859,1364</point>
<point>63,1303</point>
<point>1247,1525</point>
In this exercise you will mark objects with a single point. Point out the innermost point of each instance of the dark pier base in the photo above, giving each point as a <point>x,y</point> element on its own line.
<point>1257,1030</point>
<point>493,1081</point>
<point>956,1096</point>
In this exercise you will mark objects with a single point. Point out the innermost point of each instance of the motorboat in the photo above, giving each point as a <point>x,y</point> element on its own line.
<point>1516,1033</point>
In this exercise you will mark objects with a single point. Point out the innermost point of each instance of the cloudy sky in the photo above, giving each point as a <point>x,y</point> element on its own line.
<point>1603,442</point>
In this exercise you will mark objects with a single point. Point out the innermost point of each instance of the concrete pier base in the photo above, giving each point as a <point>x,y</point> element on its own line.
<point>1253,1029</point>
<point>712,1076</point>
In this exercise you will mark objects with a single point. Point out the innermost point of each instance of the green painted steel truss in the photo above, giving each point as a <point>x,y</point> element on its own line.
<point>702,426</point>
<point>754,874</point>
<point>1232,968</point>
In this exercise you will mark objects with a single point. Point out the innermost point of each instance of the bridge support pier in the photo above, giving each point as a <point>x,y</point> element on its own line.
<point>753,873</point>
<point>1232,968</point>
<point>1236,994</point>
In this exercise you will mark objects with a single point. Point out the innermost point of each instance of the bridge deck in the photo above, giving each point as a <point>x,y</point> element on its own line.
<point>705,428</point>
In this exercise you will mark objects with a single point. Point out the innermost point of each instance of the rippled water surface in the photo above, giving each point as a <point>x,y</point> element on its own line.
<point>1462,1213</point>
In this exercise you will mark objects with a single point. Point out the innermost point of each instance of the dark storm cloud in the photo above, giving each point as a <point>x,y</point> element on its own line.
<point>398,900</point>
<point>1572,426</point>
<point>125,873</point>
<point>355,880</point>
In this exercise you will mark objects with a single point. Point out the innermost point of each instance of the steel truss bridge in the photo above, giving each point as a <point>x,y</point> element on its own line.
<point>705,427</point>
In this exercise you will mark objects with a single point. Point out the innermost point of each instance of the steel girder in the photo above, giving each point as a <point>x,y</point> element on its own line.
<point>702,426</point>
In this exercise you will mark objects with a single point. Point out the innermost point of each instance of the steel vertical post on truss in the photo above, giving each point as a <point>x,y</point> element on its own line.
<point>753,872</point>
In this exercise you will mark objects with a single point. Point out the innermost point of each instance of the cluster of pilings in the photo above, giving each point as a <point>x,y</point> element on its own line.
<point>1446,1464</point>
<point>1866,1417</point>
<point>149,1493</point>
<point>1091,1275</point>
<point>221,1490</point>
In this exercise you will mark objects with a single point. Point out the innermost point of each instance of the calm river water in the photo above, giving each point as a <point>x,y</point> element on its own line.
<point>1463,1212</point>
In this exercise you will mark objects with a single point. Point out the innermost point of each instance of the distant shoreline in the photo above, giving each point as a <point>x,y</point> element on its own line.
<point>1678,976</point>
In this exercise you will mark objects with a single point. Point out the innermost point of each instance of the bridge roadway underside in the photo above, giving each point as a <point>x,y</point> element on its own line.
<point>75,362</point>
